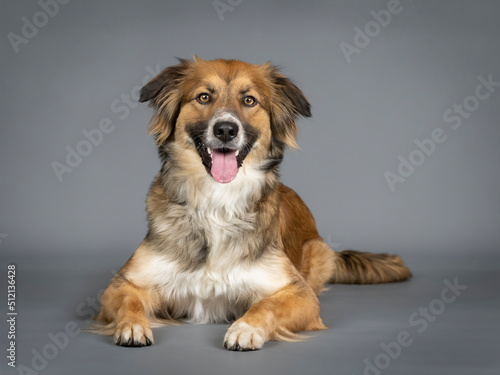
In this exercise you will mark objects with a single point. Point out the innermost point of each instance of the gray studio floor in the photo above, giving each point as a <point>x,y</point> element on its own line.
<point>424,326</point>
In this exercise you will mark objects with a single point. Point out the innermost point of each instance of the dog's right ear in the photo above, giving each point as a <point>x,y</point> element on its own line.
<point>164,93</point>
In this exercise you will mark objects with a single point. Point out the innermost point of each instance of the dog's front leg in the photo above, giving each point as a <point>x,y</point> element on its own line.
<point>124,306</point>
<point>293,308</point>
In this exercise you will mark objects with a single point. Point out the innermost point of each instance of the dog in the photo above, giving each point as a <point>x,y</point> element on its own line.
<point>226,241</point>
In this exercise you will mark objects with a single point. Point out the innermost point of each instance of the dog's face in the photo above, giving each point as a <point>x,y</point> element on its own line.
<point>230,112</point>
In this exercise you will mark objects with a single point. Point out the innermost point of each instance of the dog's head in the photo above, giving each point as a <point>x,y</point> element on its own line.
<point>230,112</point>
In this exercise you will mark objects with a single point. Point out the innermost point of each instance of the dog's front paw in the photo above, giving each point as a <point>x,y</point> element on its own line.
<point>133,334</point>
<point>243,337</point>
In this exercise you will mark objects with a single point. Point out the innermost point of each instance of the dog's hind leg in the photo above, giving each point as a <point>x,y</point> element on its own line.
<point>318,264</point>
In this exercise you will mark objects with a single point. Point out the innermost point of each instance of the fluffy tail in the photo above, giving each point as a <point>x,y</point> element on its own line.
<point>356,267</point>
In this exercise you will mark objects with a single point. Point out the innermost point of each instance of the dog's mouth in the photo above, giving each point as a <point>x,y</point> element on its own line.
<point>221,163</point>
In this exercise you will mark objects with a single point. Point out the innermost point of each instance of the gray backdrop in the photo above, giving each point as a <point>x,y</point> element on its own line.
<point>401,155</point>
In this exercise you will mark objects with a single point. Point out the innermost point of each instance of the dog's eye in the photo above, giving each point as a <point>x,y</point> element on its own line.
<point>249,101</point>
<point>204,98</point>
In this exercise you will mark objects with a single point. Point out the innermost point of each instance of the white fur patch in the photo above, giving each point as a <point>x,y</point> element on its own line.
<point>224,284</point>
<point>218,291</point>
<point>222,115</point>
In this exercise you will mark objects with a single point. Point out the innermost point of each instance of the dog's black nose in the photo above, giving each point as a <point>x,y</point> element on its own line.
<point>225,131</point>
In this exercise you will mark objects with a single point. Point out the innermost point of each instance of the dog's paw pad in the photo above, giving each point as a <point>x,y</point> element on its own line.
<point>133,334</point>
<point>243,337</point>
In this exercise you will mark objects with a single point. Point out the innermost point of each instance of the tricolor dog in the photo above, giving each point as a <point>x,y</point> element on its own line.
<point>226,241</point>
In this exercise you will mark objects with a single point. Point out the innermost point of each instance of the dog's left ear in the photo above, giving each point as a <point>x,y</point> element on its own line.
<point>287,103</point>
<point>164,93</point>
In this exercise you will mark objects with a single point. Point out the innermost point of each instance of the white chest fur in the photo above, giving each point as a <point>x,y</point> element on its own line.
<point>215,292</point>
<point>226,282</point>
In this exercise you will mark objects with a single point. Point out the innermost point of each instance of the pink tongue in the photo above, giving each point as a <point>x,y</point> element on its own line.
<point>224,166</point>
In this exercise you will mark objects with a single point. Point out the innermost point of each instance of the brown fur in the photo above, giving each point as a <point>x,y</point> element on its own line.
<point>253,242</point>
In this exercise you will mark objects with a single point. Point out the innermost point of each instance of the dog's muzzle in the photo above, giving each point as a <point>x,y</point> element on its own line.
<point>222,143</point>
<point>224,163</point>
